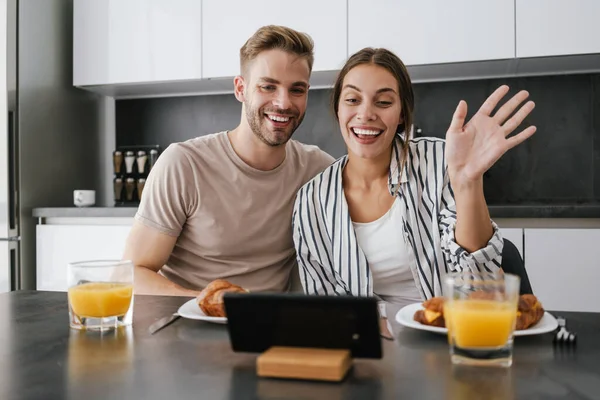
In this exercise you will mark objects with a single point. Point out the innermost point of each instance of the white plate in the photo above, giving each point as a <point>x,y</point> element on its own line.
<point>192,311</point>
<point>405,317</point>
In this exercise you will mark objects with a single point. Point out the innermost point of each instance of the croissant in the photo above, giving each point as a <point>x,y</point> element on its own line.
<point>529,311</point>
<point>433,314</point>
<point>210,299</point>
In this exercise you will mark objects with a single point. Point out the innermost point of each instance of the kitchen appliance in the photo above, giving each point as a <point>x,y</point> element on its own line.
<point>9,194</point>
<point>50,131</point>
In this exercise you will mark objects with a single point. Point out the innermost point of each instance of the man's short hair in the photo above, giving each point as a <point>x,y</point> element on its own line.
<point>273,37</point>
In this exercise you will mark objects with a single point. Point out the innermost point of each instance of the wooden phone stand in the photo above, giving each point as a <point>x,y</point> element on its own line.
<point>304,363</point>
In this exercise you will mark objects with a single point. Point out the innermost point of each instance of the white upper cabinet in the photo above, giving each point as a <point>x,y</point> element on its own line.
<point>140,48</point>
<point>227,24</point>
<point>557,27</point>
<point>434,31</point>
<point>125,41</point>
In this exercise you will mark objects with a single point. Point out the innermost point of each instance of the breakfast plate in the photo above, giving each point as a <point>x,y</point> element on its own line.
<point>191,310</point>
<point>405,317</point>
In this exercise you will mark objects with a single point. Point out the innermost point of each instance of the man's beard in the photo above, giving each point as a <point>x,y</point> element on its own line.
<point>276,137</point>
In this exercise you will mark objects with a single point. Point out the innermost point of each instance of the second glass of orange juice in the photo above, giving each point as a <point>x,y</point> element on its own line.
<point>480,311</point>
<point>100,294</point>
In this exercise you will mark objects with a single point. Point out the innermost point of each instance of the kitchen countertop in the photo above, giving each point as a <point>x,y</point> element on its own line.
<point>43,358</point>
<point>591,210</point>
<point>84,212</point>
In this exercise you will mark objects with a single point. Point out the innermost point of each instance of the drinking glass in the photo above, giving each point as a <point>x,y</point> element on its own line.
<point>100,294</point>
<point>480,310</point>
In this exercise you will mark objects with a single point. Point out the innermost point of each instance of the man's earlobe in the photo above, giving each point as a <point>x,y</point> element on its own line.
<point>239,86</point>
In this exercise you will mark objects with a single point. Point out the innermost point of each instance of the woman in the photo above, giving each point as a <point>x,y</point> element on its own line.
<point>394,216</point>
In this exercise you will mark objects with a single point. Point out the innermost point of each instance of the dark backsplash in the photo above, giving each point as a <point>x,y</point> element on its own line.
<point>560,164</point>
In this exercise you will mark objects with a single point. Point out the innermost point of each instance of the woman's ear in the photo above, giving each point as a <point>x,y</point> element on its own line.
<point>401,126</point>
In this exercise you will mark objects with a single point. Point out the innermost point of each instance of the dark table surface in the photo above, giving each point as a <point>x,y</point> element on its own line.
<point>42,358</point>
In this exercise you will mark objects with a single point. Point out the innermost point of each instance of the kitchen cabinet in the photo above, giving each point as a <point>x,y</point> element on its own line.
<point>557,27</point>
<point>562,265</point>
<point>434,31</point>
<point>127,41</point>
<point>227,24</point>
<point>57,245</point>
<point>154,48</point>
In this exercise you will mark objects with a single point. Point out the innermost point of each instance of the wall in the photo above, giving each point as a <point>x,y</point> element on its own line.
<point>559,164</point>
<point>60,127</point>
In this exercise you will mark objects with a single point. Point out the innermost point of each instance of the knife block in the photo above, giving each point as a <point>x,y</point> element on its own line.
<point>304,363</point>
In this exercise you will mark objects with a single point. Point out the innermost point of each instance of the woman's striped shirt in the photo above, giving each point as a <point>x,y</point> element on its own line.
<point>329,258</point>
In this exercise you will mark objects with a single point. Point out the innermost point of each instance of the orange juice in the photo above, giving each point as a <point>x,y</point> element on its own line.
<point>480,323</point>
<point>100,299</point>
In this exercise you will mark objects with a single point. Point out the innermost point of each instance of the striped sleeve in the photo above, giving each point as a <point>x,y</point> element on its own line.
<point>486,259</point>
<point>316,272</point>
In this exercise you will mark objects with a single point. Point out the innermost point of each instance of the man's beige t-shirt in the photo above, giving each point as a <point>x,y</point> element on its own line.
<point>232,221</point>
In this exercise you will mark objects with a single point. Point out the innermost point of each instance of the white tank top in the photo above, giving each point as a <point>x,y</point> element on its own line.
<point>390,256</point>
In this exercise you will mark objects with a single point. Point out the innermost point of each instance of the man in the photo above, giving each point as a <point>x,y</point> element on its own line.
<point>220,206</point>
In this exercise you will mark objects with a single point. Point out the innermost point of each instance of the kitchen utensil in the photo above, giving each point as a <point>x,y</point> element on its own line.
<point>118,188</point>
<point>117,161</point>
<point>129,188</point>
<point>153,158</point>
<point>564,336</point>
<point>84,198</point>
<point>163,322</point>
<point>140,187</point>
<point>141,161</point>
<point>129,160</point>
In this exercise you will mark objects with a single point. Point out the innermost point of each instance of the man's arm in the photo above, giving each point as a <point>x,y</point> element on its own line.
<point>149,250</point>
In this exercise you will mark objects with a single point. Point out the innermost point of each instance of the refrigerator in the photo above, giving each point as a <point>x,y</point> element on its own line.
<point>9,201</point>
<point>50,131</point>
